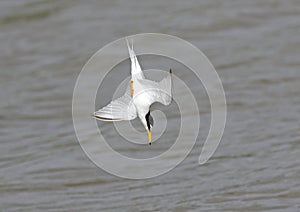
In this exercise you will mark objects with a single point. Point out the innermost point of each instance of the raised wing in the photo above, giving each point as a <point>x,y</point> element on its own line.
<point>157,91</point>
<point>118,110</point>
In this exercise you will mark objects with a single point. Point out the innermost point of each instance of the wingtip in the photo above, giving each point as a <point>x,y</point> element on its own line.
<point>105,119</point>
<point>171,71</point>
<point>94,116</point>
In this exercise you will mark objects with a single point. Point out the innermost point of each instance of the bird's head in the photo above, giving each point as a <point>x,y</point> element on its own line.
<point>148,125</point>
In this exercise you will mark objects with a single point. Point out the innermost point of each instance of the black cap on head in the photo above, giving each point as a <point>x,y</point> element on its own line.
<point>149,120</point>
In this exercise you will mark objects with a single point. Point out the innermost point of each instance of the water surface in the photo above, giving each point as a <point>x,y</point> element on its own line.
<point>254,46</point>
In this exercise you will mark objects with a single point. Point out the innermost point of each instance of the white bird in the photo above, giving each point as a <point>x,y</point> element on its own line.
<point>139,96</point>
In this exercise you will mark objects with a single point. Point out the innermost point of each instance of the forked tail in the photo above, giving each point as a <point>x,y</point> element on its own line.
<point>136,70</point>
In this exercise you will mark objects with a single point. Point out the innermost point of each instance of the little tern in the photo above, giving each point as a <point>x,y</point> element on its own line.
<point>141,93</point>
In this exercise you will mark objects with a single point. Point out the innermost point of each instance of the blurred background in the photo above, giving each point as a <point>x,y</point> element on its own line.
<point>254,46</point>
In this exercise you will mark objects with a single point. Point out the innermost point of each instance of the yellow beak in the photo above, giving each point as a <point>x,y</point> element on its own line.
<point>149,136</point>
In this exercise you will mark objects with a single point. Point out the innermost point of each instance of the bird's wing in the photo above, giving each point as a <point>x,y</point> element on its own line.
<point>166,86</point>
<point>118,110</point>
<point>136,69</point>
<point>158,91</point>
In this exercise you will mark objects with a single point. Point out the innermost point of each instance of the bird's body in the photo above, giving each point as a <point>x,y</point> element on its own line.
<point>138,98</point>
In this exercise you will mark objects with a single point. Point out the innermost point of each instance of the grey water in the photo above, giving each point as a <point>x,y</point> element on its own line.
<point>254,46</point>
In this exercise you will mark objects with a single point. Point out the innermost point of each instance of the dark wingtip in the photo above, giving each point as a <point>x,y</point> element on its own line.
<point>103,118</point>
<point>170,71</point>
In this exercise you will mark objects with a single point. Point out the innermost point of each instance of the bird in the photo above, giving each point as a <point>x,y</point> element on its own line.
<point>140,94</point>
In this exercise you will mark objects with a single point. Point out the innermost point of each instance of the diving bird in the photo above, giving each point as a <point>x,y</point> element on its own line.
<point>141,93</point>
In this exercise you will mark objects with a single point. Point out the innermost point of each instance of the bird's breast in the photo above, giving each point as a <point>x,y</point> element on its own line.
<point>142,100</point>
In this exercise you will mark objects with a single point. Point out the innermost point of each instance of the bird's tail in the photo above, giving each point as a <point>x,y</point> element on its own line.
<point>135,66</point>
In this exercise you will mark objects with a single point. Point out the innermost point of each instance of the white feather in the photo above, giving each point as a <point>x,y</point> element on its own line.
<point>146,92</point>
